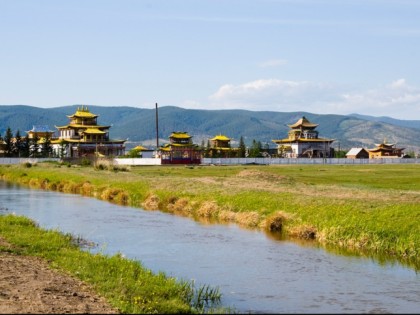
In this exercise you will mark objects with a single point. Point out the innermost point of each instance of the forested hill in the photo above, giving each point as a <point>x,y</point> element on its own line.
<point>138,125</point>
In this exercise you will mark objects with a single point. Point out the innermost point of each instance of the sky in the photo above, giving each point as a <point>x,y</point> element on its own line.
<point>317,56</point>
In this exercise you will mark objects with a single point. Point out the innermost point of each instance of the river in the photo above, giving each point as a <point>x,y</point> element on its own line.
<point>255,273</point>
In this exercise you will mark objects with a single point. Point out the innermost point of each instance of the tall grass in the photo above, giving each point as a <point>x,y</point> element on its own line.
<point>126,284</point>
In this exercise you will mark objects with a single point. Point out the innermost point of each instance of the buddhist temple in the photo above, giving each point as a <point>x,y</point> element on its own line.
<point>303,142</point>
<point>40,131</point>
<point>385,150</point>
<point>220,147</point>
<point>82,137</point>
<point>180,150</point>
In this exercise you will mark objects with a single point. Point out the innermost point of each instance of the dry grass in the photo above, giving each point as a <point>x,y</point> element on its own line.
<point>276,221</point>
<point>208,209</point>
<point>180,206</point>
<point>307,232</point>
<point>227,216</point>
<point>248,219</point>
<point>115,195</point>
<point>151,202</point>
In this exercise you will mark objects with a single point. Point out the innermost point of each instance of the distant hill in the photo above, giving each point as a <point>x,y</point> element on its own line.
<point>397,122</point>
<point>139,127</point>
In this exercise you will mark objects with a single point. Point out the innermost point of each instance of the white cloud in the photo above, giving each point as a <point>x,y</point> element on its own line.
<point>397,99</point>
<point>270,94</point>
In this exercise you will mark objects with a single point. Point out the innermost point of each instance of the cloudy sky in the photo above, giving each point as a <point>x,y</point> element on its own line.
<point>319,56</point>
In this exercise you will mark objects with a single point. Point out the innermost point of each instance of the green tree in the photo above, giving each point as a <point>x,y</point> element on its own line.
<point>62,149</point>
<point>46,148</point>
<point>26,143</point>
<point>242,147</point>
<point>134,153</point>
<point>34,146</point>
<point>255,150</point>
<point>8,140</point>
<point>17,145</point>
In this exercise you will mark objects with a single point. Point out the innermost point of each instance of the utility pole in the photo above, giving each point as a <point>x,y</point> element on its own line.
<point>157,129</point>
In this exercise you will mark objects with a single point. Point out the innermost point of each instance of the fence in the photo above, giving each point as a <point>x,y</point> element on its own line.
<point>138,161</point>
<point>285,161</point>
<point>6,160</point>
<point>238,161</point>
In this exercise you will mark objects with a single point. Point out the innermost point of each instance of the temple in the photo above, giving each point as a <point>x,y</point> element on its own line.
<point>83,137</point>
<point>303,142</point>
<point>220,147</point>
<point>180,150</point>
<point>40,132</point>
<point>385,150</point>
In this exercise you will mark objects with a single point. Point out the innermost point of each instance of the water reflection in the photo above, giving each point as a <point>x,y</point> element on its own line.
<point>255,273</point>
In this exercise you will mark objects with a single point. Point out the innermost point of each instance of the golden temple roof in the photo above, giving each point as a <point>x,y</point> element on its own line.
<point>94,131</point>
<point>303,122</point>
<point>82,126</point>
<point>287,140</point>
<point>83,112</point>
<point>221,137</point>
<point>140,148</point>
<point>179,134</point>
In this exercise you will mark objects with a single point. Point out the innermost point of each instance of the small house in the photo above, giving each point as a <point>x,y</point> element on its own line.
<point>357,153</point>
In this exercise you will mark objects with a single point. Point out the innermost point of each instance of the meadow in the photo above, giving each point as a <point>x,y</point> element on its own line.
<point>361,209</point>
<point>126,284</point>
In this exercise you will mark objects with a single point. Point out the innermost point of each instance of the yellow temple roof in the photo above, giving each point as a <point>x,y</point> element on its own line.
<point>82,126</point>
<point>303,122</point>
<point>221,137</point>
<point>180,134</point>
<point>83,112</point>
<point>140,148</point>
<point>287,140</point>
<point>94,131</point>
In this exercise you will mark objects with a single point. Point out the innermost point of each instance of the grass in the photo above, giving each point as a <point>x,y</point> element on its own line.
<point>364,209</point>
<point>126,284</point>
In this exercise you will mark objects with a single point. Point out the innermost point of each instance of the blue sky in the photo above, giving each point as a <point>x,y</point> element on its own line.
<point>319,56</point>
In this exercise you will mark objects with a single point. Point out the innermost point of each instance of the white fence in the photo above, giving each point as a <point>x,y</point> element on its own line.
<point>237,161</point>
<point>285,161</point>
<point>6,160</point>
<point>138,161</point>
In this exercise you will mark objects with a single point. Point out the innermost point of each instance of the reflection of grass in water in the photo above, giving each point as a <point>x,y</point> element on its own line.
<point>364,208</point>
<point>125,283</point>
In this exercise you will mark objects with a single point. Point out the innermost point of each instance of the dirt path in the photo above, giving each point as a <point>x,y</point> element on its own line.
<point>28,285</point>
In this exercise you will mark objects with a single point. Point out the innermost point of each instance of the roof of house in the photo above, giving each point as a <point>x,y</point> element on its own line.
<point>355,151</point>
<point>40,128</point>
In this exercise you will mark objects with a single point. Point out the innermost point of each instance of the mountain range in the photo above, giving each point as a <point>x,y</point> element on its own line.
<point>138,125</point>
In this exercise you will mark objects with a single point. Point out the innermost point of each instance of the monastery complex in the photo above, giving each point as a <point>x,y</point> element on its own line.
<point>83,136</point>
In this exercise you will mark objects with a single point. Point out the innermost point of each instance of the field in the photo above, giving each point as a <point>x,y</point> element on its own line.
<point>363,209</point>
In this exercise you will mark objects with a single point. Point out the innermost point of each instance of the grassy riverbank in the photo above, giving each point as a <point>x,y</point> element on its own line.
<point>369,209</point>
<point>126,284</point>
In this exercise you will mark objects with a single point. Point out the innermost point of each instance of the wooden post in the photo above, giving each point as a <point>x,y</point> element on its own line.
<point>157,129</point>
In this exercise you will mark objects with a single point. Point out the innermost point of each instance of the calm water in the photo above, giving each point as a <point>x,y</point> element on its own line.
<point>255,273</point>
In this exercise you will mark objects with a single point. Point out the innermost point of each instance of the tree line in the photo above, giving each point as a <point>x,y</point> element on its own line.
<point>18,146</point>
<point>255,150</point>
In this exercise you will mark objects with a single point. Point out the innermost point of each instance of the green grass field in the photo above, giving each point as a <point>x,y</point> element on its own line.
<point>364,209</point>
<point>126,284</point>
